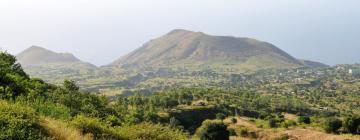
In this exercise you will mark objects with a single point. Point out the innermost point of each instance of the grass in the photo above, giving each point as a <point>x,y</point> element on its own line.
<point>59,130</point>
<point>295,132</point>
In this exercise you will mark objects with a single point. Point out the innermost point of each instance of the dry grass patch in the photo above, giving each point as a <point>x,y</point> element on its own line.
<point>59,130</point>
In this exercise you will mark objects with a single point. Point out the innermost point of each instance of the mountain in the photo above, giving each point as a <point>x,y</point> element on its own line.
<point>52,66</point>
<point>187,48</point>
<point>35,55</point>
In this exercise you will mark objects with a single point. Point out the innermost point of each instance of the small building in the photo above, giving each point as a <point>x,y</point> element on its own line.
<point>354,72</point>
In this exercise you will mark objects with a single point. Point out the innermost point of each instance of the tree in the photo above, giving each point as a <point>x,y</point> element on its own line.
<point>70,85</point>
<point>220,116</point>
<point>332,125</point>
<point>213,130</point>
<point>352,125</point>
<point>13,79</point>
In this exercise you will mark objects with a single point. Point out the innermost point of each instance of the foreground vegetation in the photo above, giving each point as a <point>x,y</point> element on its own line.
<point>33,109</point>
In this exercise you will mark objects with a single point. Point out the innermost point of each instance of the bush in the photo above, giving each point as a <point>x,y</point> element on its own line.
<point>244,132</point>
<point>233,120</point>
<point>94,126</point>
<point>304,119</point>
<point>18,122</point>
<point>213,130</point>
<point>332,125</point>
<point>220,116</point>
<point>232,132</point>
<point>272,123</point>
<point>148,131</point>
<point>352,125</point>
<point>289,123</point>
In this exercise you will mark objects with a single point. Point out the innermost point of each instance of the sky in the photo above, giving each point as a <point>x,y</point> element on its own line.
<point>100,31</point>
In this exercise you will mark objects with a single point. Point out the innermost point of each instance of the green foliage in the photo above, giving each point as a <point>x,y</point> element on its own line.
<point>70,85</point>
<point>352,125</point>
<point>304,119</point>
<point>149,131</point>
<point>220,116</point>
<point>289,123</point>
<point>18,122</point>
<point>272,123</point>
<point>12,77</point>
<point>213,130</point>
<point>94,126</point>
<point>332,125</point>
<point>232,132</point>
<point>244,132</point>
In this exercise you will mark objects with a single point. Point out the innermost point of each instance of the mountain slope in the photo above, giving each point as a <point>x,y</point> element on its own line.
<point>182,47</point>
<point>314,64</point>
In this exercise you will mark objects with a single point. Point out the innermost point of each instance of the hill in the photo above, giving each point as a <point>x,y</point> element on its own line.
<point>187,48</point>
<point>52,66</point>
<point>35,55</point>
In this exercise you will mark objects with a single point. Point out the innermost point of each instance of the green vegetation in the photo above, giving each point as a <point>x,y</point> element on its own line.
<point>31,108</point>
<point>212,130</point>
<point>18,122</point>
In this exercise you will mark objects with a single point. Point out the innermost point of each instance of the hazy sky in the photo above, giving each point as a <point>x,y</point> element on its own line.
<point>100,31</point>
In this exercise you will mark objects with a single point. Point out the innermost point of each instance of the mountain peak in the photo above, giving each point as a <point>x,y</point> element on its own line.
<point>180,47</point>
<point>182,31</point>
<point>36,55</point>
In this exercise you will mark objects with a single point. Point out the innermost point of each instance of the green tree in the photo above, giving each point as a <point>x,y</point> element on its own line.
<point>352,125</point>
<point>332,125</point>
<point>213,130</point>
<point>13,79</point>
<point>220,116</point>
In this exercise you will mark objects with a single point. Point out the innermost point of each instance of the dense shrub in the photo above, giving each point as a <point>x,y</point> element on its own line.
<point>244,132</point>
<point>94,126</point>
<point>332,125</point>
<point>352,125</point>
<point>213,130</point>
<point>220,116</point>
<point>18,122</point>
<point>232,132</point>
<point>272,123</point>
<point>304,119</point>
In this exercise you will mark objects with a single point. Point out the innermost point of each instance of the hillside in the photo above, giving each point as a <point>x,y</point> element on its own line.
<point>188,48</point>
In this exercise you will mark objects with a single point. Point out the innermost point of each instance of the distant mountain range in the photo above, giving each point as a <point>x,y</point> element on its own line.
<point>178,48</point>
